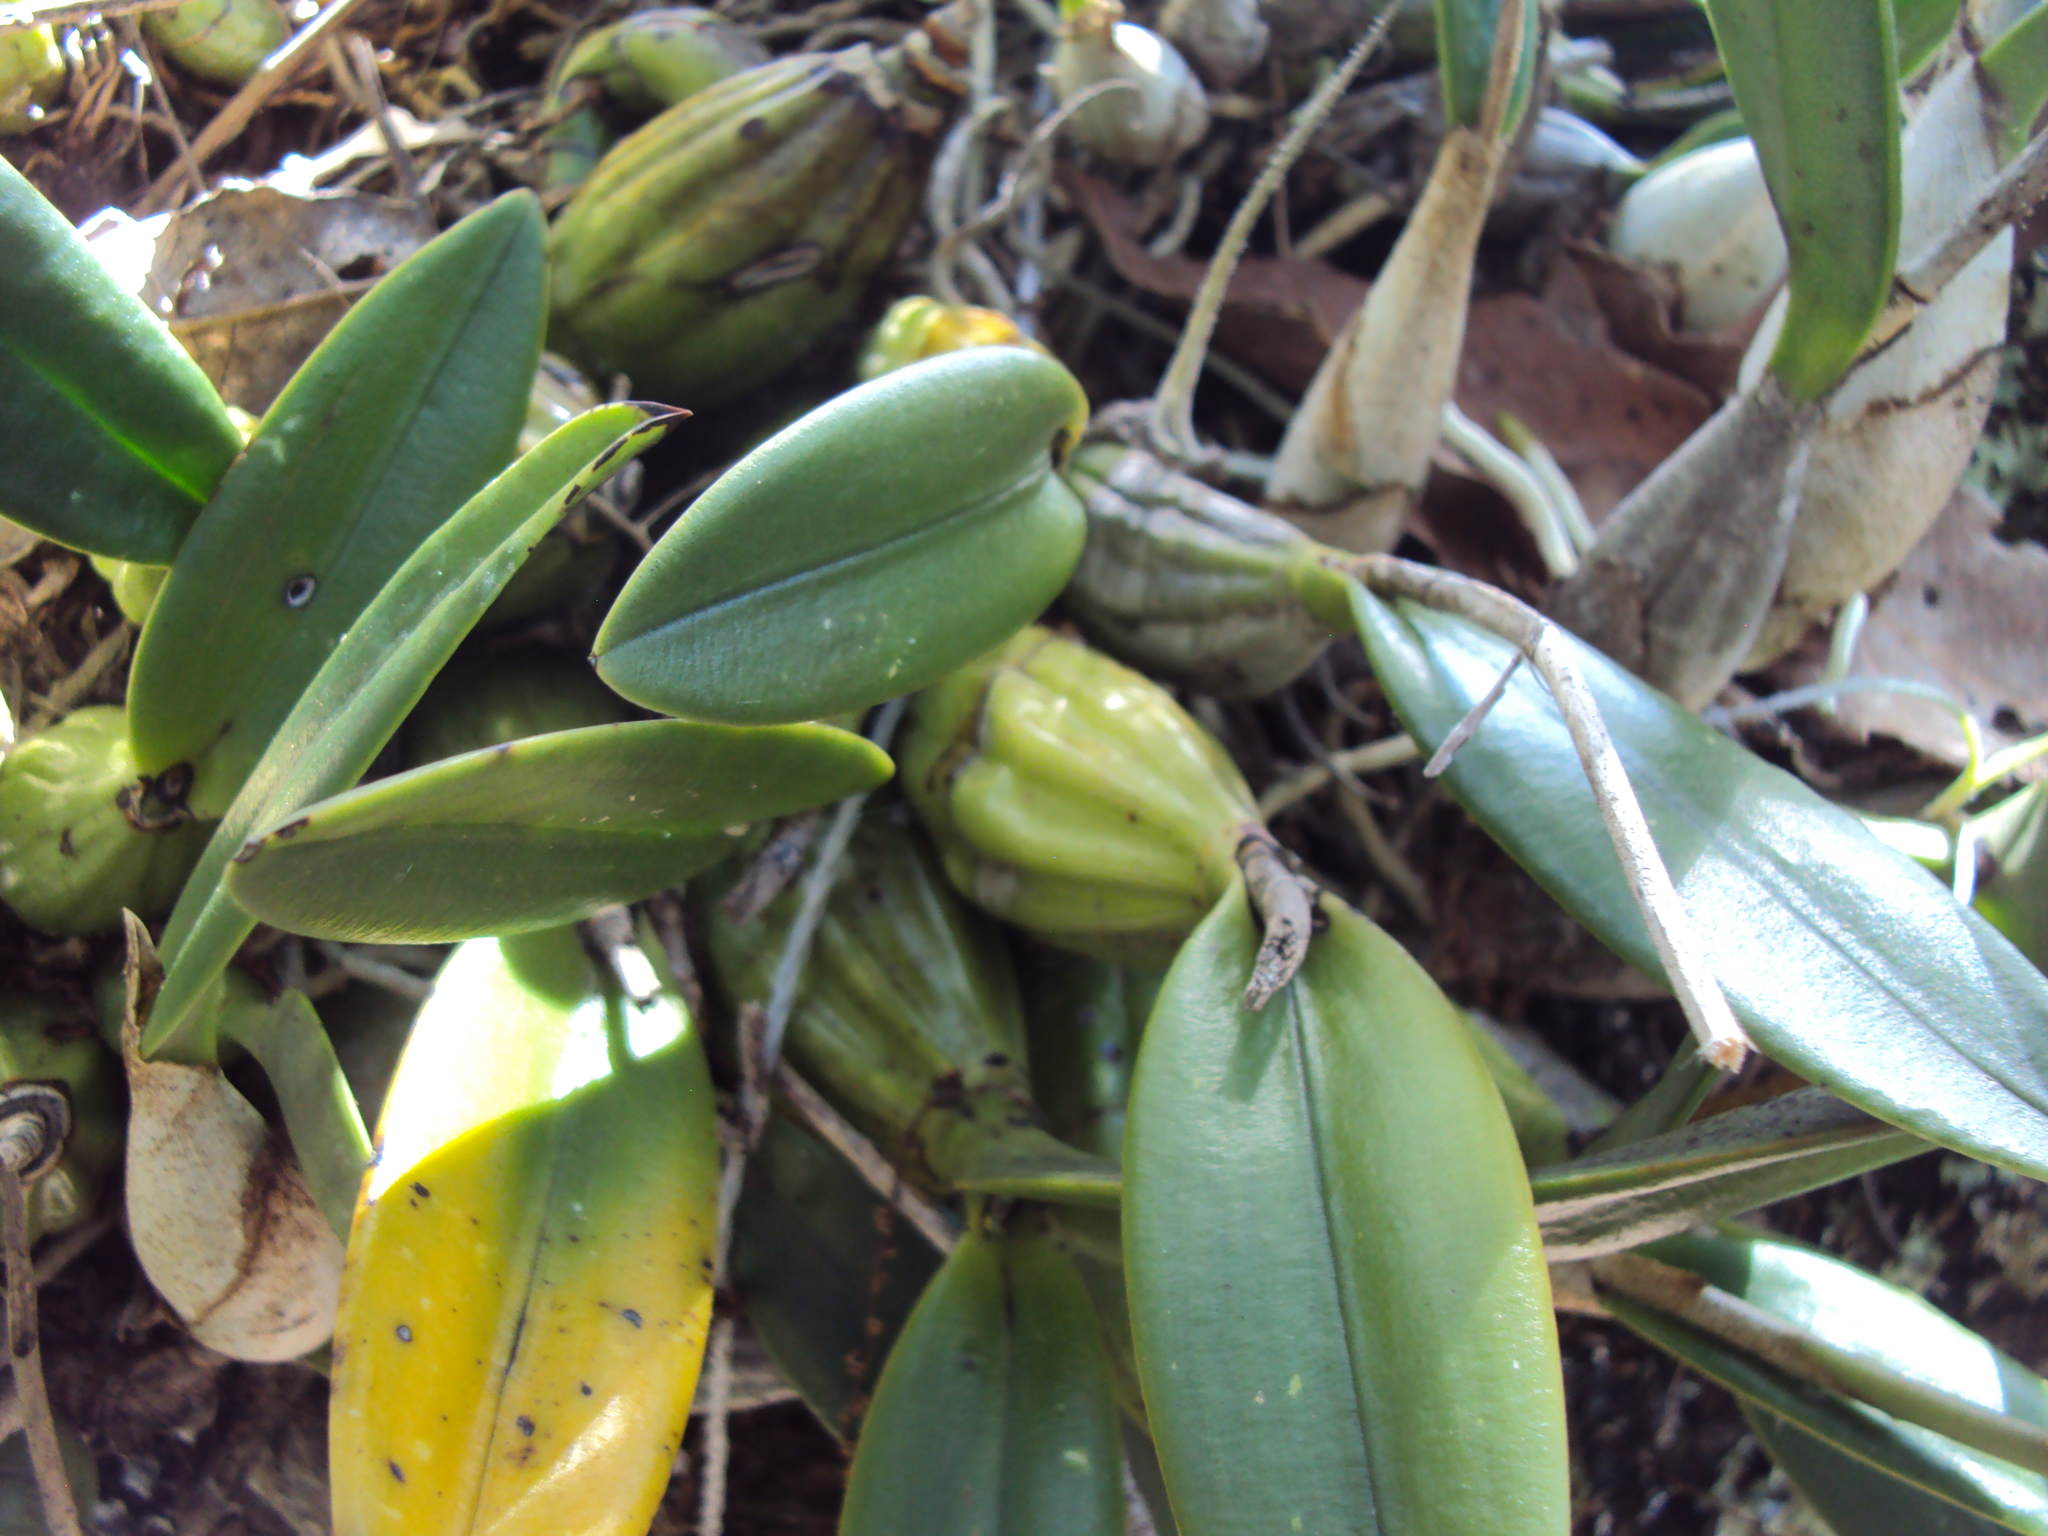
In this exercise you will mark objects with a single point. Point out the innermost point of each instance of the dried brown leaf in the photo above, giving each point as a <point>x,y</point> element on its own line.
<point>1966,614</point>
<point>251,278</point>
<point>1608,417</point>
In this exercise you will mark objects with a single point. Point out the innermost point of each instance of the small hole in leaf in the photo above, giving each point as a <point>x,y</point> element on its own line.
<point>299,591</point>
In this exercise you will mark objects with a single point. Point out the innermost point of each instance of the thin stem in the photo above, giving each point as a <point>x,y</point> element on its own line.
<point>1982,771</point>
<point>272,76</point>
<point>1337,766</point>
<point>1722,1040</point>
<point>717,1447</point>
<point>1842,637</point>
<point>1026,171</point>
<point>24,1349</point>
<point>1963,866</point>
<point>778,863</point>
<point>351,962</point>
<point>762,1051</point>
<point>1557,485</point>
<point>1824,692</point>
<point>2010,196</point>
<point>1672,1100</point>
<point>943,194</point>
<point>1454,742</point>
<point>837,1132</point>
<point>1353,218</point>
<point>132,37</point>
<point>817,886</point>
<point>1281,898</point>
<point>1240,378</point>
<point>354,61</point>
<point>2011,759</point>
<point>1173,406</point>
<point>1510,474</point>
<point>1386,860</point>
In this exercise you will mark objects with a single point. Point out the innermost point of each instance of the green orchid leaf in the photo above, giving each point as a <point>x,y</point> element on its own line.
<point>1865,1321</point>
<point>1854,1496</point>
<point>826,1269</point>
<point>114,437</point>
<point>1714,128</point>
<point>407,407</point>
<point>1717,1167</point>
<point>893,534</point>
<point>21,1502</point>
<point>320,1111</point>
<point>539,832</point>
<point>1542,1129</point>
<point>1898,1339</point>
<point>1349,1136</point>
<point>1845,960</point>
<point>1828,139</point>
<point>371,681</point>
<point>1085,1018</point>
<point>1923,26</point>
<point>1095,1240</point>
<point>2014,896</point>
<point>1466,38</point>
<point>994,1413</point>
<point>2016,63</point>
<point>1028,1164</point>
<point>532,1259</point>
<point>1932,1463</point>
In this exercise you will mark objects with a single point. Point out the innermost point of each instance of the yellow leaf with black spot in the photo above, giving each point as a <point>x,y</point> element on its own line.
<point>529,1276</point>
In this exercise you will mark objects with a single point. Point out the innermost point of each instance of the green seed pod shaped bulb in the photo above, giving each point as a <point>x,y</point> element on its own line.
<point>1073,797</point>
<point>711,249</point>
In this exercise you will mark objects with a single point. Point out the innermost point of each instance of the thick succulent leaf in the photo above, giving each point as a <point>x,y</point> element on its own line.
<point>1859,1499</point>
<point>1829,142</point>
<point>1854,1311</point>
<point>2014,896</point>
<point>1390,1363</point>
<point>894,533</point>
<point>528,1282</point>
<point>374,677</point>
<point>1086,1018</point>
<point>994,1413</point>
<point>537,832</point>
<point>113,436</point>
<point>827,1271</point>
<point>1845,960</point>
<point>1923,26</point>
<point>1930,1462</point>
<point>1095,1239</point>
<point>1542,1128</point>
<point>405,410</point>
<point>1028,1164</point>
<point>1892,1329</point>
<point>320,1112</point>
<point>21,1504</point>
<point>1465,31</point>
<point>2017,66</point>
<point>1714,1168</point>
